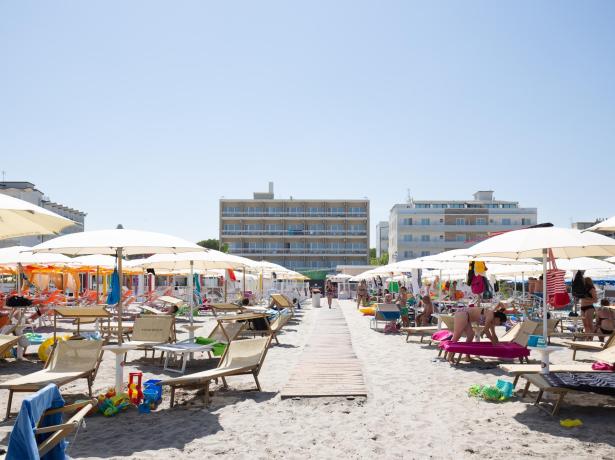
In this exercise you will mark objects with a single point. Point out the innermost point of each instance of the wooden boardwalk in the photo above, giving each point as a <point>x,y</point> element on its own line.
<point>328,366</point>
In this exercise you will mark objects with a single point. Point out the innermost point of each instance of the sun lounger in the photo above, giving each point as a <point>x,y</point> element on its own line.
<point>277,324</point>
<point>242,357</point>
<point>385,313</point>
<point>421,331</point>
<point>578,345</point>
<point>70,360</point>
<point>39,427</point>
<point>281,301</point>
<point>226,308</point>
<point>151,330</point>
<point>563,383</point>
<point>516,348</point>
<point>6,343</point>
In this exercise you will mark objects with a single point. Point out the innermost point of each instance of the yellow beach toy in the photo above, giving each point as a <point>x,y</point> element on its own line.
<point>45,347</point>
<point>368,311</point>
<point>570,423</point>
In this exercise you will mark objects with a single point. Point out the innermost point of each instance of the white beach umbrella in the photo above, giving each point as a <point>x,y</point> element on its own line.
<point>118,242</point>
<point>535,242</point>
<point>190,261</point>
<point>96,260</point>
<point>21,218</point>
<point>607,225</point>
<point>23,255</point>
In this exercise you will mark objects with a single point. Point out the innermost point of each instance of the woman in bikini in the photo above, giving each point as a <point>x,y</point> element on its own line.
<point>587,305</point>
<point>329,291</point>
<point>362,293</point>
<point>481,316</point>
<point>605,318</point>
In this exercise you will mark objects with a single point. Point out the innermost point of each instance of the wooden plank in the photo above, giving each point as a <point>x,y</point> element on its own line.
<point>328,365</point>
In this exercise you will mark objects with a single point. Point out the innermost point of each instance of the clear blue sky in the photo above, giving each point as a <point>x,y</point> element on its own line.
<point>147,112</point>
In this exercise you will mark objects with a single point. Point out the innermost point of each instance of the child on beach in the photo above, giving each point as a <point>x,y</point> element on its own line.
<point>424,318</point>
<point>402,303</point>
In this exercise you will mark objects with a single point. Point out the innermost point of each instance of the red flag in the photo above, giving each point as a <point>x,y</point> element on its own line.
<point>231,274</point>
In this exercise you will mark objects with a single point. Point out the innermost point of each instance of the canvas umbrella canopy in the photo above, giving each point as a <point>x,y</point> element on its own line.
<point>119,242</point>
<point>21,218</point>
<point>19,256</point>
<point>536,242</point>
<point>202,260</point>
<point>607,225</point>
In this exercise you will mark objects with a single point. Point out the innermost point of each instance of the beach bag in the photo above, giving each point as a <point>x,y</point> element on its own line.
<point>478,286</point>
<point>557,294</point>
<point>391,327</point>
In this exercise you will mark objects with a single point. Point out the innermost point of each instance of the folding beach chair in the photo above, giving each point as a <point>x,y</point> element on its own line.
<point>70,360</point>
<point>242,357</point>
<point>39,430</point>
<point>516,348</point>
<point>151,330</point>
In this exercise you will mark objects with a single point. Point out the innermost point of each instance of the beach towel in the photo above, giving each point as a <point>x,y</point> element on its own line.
<point>596,382</point>
<point>23,442</point>
<point>506,350</point>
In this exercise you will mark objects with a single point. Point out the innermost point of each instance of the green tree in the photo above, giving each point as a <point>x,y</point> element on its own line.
<point>213,243</point>
<point>382,260</point>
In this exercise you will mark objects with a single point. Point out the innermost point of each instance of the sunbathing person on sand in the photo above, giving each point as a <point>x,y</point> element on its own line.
<point>485,317</point>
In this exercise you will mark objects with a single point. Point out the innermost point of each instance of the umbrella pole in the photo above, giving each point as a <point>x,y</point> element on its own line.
<point>97,284</point>
<point>191,298</point>
<point>243,272</point>
<point>544,296</point>
<point>119,304</point>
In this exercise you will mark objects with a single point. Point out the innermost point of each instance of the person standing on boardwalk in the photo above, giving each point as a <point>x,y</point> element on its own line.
<point>329,291</point>
<point>362,294</point>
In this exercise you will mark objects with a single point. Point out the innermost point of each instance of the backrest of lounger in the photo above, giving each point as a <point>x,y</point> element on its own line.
<point>449,321</point>
<point>523,334</point>
<point>281,300</point>
<point>245,353</point>
<point>607,355</point>
<point>231,329</point>
<point>75,355</point>
<point>153,328</point>
<point>279,322</point>
<point>511,334</point>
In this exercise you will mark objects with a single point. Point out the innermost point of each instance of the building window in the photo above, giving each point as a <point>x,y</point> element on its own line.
<point>460,237</point>
<point>254,211</point>
<point>407,237</point>
<point>424,237</point>
<point>231,210</point>
<point>409,254</point>
<point>423,205</point>
<point>425,221</point>
<point>424,253</point>
<point>526,221</point>
<point>481,221</point>
<point>336,229</point>
<point>232,228</point>
<point>505,221</point>
<point>407,221</point>
<point>457,205</point>
<point>337,211</point>
<point>354,210</point>
<point>315,211</point>
<point>272,211</point>
<point>460,221</point>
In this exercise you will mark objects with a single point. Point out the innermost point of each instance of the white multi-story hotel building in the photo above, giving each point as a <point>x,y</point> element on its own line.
<point>422,228</point>
<point>297,234</point>
<point>28,192</point>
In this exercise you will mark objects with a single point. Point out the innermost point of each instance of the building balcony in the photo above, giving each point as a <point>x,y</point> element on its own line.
<point>461,228</point>
<point>295,215</point>
<point>449,244</point>
<point>290,233</point>
<point>298,252</point>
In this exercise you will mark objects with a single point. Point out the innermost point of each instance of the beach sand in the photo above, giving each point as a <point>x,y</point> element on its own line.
<point>417,407</point>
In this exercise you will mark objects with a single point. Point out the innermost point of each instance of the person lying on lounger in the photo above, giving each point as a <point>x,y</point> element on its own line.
<point>482,317</point>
